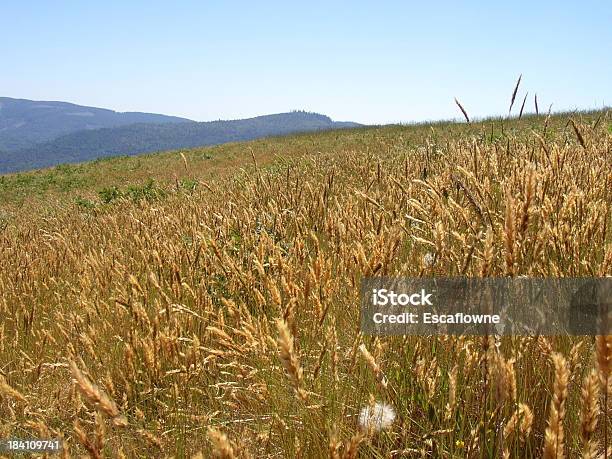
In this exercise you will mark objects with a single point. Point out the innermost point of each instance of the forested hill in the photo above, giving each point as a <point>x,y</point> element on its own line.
<point>25,123</point>
<point>147,137</point>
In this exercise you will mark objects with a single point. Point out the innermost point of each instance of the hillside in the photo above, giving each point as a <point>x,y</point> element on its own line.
<point>24,123</point>
<point>205,302</point>
<point>146,137</point>
<point>60,184</point>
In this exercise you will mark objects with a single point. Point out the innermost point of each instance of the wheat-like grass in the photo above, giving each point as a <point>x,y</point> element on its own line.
<point>97,396</point>
<point>590,413</point>
<point>371,362</point>
<point>289,358</point>
<point>603,345</point>
<point>235,305</point>
<point>554,440</point>
<point>465,115</point>
<point>9,391</point>
<point>518,82</point>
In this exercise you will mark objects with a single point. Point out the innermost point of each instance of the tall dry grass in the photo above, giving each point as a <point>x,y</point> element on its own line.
<point>225,322</point>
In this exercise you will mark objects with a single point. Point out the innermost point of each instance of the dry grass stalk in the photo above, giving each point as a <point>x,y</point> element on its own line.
<point>221,446</point>
<point>451,405</point>
<point>184,161</point>
<point>547,119</point>
<point>9,391</point>
<point>380,376</point>
<point>352,448</point>
<point>100,431</point>
<point>465,115</point>
<point>523,105</point>
<point>97,396</point>
<point>589,414</point>
<point>488,254</point>
<point>526,416</point>
<point>554,439</point>
<point>290,359</point>
<point>502,376</point>
<point>603,345</point>
<point>578,133</point>
<point>518,82</point>
<point>334,443</point>
<point>150,438</point>
<point>510,236</point>
<point>90,447</point>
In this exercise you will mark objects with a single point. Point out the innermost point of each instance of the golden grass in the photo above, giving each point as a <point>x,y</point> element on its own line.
<point>224,321</point>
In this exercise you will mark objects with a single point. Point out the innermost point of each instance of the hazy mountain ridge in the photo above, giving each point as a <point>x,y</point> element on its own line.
<point>138,138</point>
<point>25,123</point>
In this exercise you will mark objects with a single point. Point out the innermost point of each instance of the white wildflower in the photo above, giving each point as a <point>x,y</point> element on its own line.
<point>429,260</point>
<point>376,418</point>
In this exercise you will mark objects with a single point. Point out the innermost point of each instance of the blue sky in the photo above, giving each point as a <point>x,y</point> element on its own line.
<point>372,62</point>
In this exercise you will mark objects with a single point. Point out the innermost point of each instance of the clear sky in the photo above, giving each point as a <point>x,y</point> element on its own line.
<point>371,62</point>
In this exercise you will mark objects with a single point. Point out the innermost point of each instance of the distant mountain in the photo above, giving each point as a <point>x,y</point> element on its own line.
<point>138,138</point>
<point>24,123</point>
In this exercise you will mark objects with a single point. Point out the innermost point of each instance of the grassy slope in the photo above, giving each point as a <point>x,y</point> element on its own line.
<point>64,182</point>
<point>206,163</point>
<point>169,305</point>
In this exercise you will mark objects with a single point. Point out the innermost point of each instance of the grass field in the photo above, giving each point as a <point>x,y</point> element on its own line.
<point>205,303</point>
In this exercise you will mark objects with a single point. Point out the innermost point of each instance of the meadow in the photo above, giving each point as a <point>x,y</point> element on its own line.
<point>205,302</point>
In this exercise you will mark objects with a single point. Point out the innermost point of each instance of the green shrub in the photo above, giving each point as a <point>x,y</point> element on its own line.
<point>189,184</point>
<point>135,193</point>
<point>149,192</point>
<point>109,194</point>
<point>84,203</point>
